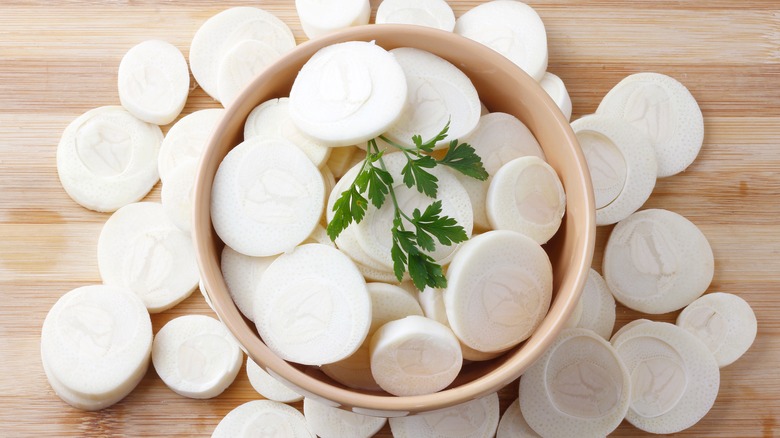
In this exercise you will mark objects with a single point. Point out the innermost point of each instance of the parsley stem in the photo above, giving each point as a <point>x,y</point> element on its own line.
<point>398,212</point>
<point>399,146</point>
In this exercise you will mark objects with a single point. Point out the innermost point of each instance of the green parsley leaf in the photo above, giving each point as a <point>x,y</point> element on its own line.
<point>430,144</point>
<point>350,206</point>
<point>463,158</point>
<point>444,228</point>
<point>415,175</point>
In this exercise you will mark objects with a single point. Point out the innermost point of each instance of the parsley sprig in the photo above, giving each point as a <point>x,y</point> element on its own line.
<point>412,242</point>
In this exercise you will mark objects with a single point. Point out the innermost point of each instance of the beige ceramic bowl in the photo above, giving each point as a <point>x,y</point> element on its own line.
<point>502,87</point>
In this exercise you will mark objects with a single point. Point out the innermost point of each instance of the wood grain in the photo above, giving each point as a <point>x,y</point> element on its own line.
<point>59,58</point>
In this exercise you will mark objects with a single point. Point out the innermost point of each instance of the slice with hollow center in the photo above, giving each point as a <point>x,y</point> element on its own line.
<point>512,29</point>
<point>598,306</point>
<point>437,93</point>
<point>267,386</point>
<point>580,387</point>
<point>141,249</point>
<point>196,356</point>
<point>414,356</point>
<point>223,31</point>
<point>154,81</point>
<point>621,162</point>
<point>267,197</point>
<point>664,110</point>
<point>330,422</point>
<point>674,377</point>
<point>95,345</point>
<point>312,306</point>
<point>526,196</point>
<point>186,139</point>
<point>513,424</point>
<point>555,87</point>
<point>272,419</point>
<point>272,118</point>
<point>499,289</point>
<point>107,158</point>
<point>431,13</point>
<point>472,419</point>
<point>657,261</point>
<point>348,93</point>
<point>322,17</point>
<point>724,322</point>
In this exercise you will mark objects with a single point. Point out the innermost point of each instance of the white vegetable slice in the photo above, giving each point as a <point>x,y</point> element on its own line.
<point>372,274</point>
<point>141,249</point>
<point>526,196</point>
<point>621,162</point>
<point>196,356</point>
<point>267,386</point>
<point>154,81</point>
<point>319,18</point>
<point>724,322</point>
<point>95,345</point>
<point>240,65</point>
<point>312,306</point>
<point>329,422</point>
<point>674,377</point>
<point>348,93</point>
<point>499,290</point>
<point>477,191</point>
<point>664,110</point>
<point>220,33</point>
<point>614,339</point>
<point>373,233</point>
<point>186,139</point>
<point>267,197</point>
<point>437,93</point>
<point>272,419</point>
<point>575,316</point>
<point>242,275</point>
<point>580,387</point>
<point>598,306</point>
<point>555,87</point>
<point>272,118</point>
<point>657,261</point>
<point>512,29</point>
<point>414,355</point>
<point>329,178</point>
<point>342,159</point>
<point>106,158</point>
<point>500,138</point>
<point>473,419</point>
<point>431,13</point>
<point>176,195</point>
<point>513,424</point>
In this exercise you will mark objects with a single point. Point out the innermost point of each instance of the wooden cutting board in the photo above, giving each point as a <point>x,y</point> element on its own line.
<point>59,59</point>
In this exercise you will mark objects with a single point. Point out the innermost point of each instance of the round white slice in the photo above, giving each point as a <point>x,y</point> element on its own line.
<point>176,195</point>
<point>500,138</point>
<point>473,419</point>
<point>312,306</point>
<point>580,387</point>
<point>724,322</point>
<point>186,139</point>
<point>499,290</point>
<point>329,422</point>
<point>272,118</point>
<point>322,17</point>
<point>526,196</point>
<point>388,303</point>
<point>242,275</point>
<point>674,377</point>
<point>342,159</point>
<point>267,197</point>
<point>414,355</point>
<point>374,231</point>
<point>196,356</point>
<point>657,261</point>
<point>664,110</point>
<point>598,306</point>
<point>240,65</point>
<point>512,29</point>
<point>267,386</point>
<point>107,158</point>
<point>555,87</point>
<point>95,345</point>
<point>271,419</point>
<point>513,424</point>
<point>154,81</point>
<point>477,191</point>
<point>621,162</point>
<point>348,93</point>
<point>615,338</point>
<point>430,13</point>
<point>380,275</point>
<point>141,249</point>
<point>437,93</point>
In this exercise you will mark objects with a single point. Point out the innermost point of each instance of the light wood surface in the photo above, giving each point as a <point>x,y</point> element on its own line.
<point>59,58</point>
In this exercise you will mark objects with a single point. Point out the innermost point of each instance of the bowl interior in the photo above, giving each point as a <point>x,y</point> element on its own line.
<point>502,87</point>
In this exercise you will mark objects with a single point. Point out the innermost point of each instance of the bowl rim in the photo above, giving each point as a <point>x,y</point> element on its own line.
<point>228,313</point>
